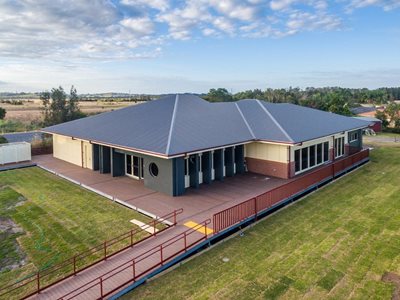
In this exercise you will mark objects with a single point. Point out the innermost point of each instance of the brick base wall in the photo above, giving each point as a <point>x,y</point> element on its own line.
<point>268,168</point>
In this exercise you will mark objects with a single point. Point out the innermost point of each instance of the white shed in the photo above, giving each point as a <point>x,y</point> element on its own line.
<point>14,152</point>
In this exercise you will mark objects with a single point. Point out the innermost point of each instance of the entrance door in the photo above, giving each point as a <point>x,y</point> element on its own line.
<point>134,166</point>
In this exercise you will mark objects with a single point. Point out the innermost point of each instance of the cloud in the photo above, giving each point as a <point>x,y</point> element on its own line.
<point>129,29</point>
<point>387,5</point>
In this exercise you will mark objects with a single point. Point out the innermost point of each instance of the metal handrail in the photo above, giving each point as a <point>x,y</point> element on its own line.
<point>73,261</point>
<point>131,263</point>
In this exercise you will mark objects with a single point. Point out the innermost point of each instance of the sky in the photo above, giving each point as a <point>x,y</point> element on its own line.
<point>160,46</point>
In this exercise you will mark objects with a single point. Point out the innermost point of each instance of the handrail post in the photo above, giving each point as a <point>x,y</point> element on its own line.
<point>133,269</point>
<point>175,217</point>
<point>161,254</point>
<point>74,265</point>
<point>38,281</point>
<point>184,234</point>
<point>105,250</point>
<point>101,287</point>
<point>154,227</point>
<point>131,237</point>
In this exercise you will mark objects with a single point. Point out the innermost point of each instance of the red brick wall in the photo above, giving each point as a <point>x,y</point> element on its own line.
<point>268,168</point>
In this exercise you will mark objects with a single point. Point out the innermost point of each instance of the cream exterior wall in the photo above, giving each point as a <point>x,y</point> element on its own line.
<point>267,151</point>
<point>65,148</point>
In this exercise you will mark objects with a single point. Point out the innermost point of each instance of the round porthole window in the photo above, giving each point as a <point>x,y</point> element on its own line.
<point>153,170</point>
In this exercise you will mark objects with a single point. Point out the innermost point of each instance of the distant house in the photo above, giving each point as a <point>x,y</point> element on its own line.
<point>364,111</point>
<point>375,124</point>
<point>182,141</point>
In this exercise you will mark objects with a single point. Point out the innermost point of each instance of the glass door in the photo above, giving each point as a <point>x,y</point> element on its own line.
<point>128,165</point>
<point>134,166</point>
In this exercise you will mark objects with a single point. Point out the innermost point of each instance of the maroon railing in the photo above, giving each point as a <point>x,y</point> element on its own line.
<point>140,265</point>
<point>34,283</point>
<point>250,208</point>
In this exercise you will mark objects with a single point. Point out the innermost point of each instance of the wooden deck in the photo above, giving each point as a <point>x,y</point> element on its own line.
<point>198,205</point>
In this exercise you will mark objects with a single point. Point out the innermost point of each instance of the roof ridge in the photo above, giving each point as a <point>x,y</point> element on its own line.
<point>172,124</point>
<point>245,121</point>
<point>275,121</point>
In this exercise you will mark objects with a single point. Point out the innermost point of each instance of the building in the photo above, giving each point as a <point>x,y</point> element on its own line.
<point>375,124</point>
<point>182,141</point>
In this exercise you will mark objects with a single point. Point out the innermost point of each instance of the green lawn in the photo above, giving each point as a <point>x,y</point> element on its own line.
<point>336,243</point>
<point>58,219</point>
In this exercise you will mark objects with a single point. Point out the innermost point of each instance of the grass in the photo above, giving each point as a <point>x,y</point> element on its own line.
<point>334,244</point>
<point>58,218</point>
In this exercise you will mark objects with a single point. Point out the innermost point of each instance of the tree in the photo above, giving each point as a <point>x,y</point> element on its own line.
<point>2,113</point>
<point>58,107</point>
<point>383,117</point>
<point>392,111</point>
<point>218,95</point>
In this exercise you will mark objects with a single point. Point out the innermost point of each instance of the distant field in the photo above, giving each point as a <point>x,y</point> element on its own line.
<point>31,110</point>
<point>53,220</point>
<point>335,244</point>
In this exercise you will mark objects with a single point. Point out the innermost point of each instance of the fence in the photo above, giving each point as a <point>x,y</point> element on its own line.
<point>253,206</point>
<point>34,283</point>
<point>42,150</point>
<point>15,152</point>
<point>140,265</point>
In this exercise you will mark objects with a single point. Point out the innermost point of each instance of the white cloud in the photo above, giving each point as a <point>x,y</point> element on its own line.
<point>141,26</point>
<point>385,4</point>
<point>129,29</point>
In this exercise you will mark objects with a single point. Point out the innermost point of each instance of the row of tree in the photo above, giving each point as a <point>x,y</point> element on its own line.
<point>333,99</point>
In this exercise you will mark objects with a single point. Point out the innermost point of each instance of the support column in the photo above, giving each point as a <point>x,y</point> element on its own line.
<point>178,173</point>
<point>194,170</point>
<point>117,163</point>
<point>229,162</point>
<point>207,165</point>
<point>105,160</point>
<point>96,157</point>
<point>219,164</point>
<point>239,159</point>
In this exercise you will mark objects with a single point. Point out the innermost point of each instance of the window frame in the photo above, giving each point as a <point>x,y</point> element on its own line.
<point>319,158</point>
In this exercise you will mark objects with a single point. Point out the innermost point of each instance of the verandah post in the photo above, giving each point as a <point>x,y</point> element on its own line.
<point>105,250</point>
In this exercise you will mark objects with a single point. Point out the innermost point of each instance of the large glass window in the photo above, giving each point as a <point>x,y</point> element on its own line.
<point>339,147</point>
<point>297,160</point>
<point>310,157</point>
<point>304,158</point>
<point>319,154</point>
<point>326,151</point>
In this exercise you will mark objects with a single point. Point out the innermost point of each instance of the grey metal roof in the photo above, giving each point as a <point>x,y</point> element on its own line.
<point>362,109</point>
<point>369,119</point>
<point>179,124</point>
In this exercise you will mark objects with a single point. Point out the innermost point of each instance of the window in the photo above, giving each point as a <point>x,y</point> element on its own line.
<point>339,147</point>
<point>353,136</point>
<point>304,158</point>
<point>326,151</point>
<point>319,154</point>
<point>153,169</point>
<point>312,156</point>
<point>297,160</point>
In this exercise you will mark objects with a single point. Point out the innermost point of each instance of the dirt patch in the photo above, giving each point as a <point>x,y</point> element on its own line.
<point>11,254</point>
<point>394,279</point>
